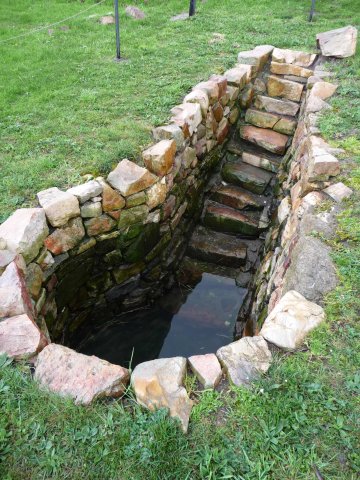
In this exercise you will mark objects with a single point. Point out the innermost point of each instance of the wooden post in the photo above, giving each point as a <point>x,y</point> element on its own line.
<point>192,8</point>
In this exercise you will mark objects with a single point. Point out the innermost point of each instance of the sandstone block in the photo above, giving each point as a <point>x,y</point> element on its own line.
<point>91,209</point>
<point>222,130</point>
<point>169,132</point>
<point>6,257</point>
<point>20,337</point>
<point>211,89</point>
<point>187,116</point>
<point>272,141</point>
<point>111,199</point>
<point>98,225</point>
<point>65,238</point>
<point>273,105</point>
<point>200,97</point>
<point>78,376</point>
<point>261,119</point>
<point>14,297</point>
<point>221,82</point>
<point>277,87</point>
<point>59,206</point>
<point>238,76</point>
<point>207,369</point>
<point>158,384</point>
<point>302,59</point>
<point>338,191</point>
<point>156,194</point>
<point>86,191</point>
<point>159,158</point>
<point>24,232</point>
<point>129,178</point>
<point>245,360</point>
<point>291,320</point>
<point>288,69</point>
<point>258,56</point>
<point>339,43</point>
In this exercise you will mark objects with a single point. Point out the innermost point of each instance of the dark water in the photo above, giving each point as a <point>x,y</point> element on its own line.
<point>191,319</point>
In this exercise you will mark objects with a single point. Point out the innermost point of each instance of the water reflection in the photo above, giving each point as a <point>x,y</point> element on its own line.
<point>194,317</point>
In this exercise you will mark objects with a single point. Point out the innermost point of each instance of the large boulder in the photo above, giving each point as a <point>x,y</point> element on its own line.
<point>24,232</point>
<point>339,43</point>
<point>78,376</point>
<point>20,337</point>
<point>245,360</point>
<point>59,206</point>
<point>311,271</point>
<point>291,320</point>
<point>158,383</point>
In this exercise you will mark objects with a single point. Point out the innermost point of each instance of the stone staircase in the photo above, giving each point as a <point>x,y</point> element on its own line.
<point>238,208</point>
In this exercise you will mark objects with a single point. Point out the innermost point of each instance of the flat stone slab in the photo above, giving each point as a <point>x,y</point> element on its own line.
<point>268,139</point>
<point>295,57</point>
<point>244,175</point>
<point>237,197</point>
<point>338,191</point>
<point>24,232</point>
<point>274,105</point>
<point>20,337</point>
<point>225,219</point>
<point>340,43</point>
<point>245,360</point>
<point>215,247</point>
<point>129,178</point>
<point>270,120</point>
<point>288,69</point>
<point>291,320</point>
<point>158,383</point>
<point>80,377</point>
<point>207,369</point>
<point>278,87</point>
<point>257,57</point>
<point>59,206</point>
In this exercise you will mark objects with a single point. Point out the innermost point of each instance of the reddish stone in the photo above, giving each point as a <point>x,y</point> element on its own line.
<point>273,141</point>
<point>14,297</point>
<point>207,369</point>
<point>111,199</point>
<point>218,111</point>
<point>20,337</point>
<point>78,376</point>
<point>222,130</point>
<point>98,225</point>
<point>221,82</point>
<point>65,238</point>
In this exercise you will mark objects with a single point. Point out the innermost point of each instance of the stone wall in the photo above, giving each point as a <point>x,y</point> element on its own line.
<point>109,245</point>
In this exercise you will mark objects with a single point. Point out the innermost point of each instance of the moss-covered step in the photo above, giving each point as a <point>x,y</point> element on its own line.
<point>214,247</point>
<point>226,219</point>
<point>238,198</point>
<point>247,176</point>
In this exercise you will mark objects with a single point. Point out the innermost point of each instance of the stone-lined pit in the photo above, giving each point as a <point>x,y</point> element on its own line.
<point>204,204</point>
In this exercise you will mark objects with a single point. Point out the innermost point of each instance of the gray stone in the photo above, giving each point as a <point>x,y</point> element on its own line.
<point>91,210</point>
<point>24,232</point>
<point>134,12</point>
<point>338,191</point>
<point>86,191</point>
<point>245,360</point>
<point>311,272</point>
<point>59,206</point>
<point>339,43</point>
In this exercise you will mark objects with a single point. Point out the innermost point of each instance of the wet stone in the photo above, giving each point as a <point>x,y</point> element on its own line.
<point>225,219</point>
<point>271,164</point>
<point>98,225</point>
<point>215,247</point>
<point>237,197</point>
<point>246,176</point>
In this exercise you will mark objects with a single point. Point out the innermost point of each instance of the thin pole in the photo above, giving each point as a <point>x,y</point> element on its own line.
<point>192,8</point>
<point>312,10</point>
<point>117,28</point>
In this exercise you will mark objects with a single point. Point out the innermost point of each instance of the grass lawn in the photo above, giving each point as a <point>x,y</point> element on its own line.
<point>67,109</point>
<point>65,116</point>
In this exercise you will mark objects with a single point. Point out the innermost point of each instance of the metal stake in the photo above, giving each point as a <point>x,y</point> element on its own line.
<point>192,8</point>
<point>117,28</point>
<point>312,10</point>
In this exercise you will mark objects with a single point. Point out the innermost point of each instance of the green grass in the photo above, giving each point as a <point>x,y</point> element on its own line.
<point>306,411</point>
<point>68,109</point>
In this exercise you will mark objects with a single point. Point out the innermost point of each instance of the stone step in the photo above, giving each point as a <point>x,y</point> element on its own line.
<point>268,139</point>
<point>237,197</point>
<point>274,121</point>
<point>226,219</point>
<point>214,247</point>
<point>274,105</point>
<point>278,87</point>
<point>244,175</point>
<point>250,154</point>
